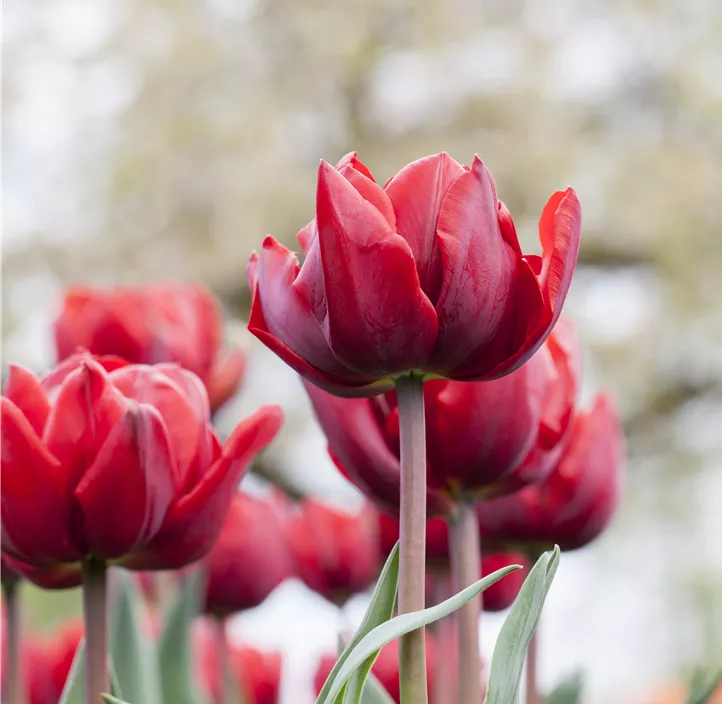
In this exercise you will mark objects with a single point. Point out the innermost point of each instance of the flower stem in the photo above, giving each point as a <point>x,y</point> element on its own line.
<point>532,686</point>
<point>465,562</point>
<point>14,684</point>
<point>445,682</point>
<point>95,615</point>
<point>223,660</point>
<point>412,549</point>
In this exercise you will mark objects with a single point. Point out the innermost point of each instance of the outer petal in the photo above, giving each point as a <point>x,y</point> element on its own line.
<point>417,192</point>
<point>479,272</point>
<point>61,575</point>
<point>126,493</point>
<point>52,381</point>
<point>194,522</point>
<point>356,173</point>
<point>34,526</point>
<point>379,320</point>
<point>25,391</point>
<point>282,319</point>
<point>225,377</point>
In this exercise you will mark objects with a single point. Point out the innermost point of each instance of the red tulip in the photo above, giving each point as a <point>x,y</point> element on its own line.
<point>574,504</point>
<point>483,439</point>
<point>251,557</point>
<point>497,597</point>
<point>337,553</point>
<point>425,274</point>
<point>257,674</point>
<point>386,667</point>
<point>122,465</point>
<point>152,324</point>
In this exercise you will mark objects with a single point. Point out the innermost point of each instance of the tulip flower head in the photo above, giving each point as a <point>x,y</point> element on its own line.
<point>118,463</point>
<point>423,275</point>
<point>152,324</point>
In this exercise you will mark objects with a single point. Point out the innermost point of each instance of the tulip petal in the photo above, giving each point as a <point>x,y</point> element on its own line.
<point>125,494</point>
<point>479,272</point>
<point>282,319</point>
<point>52,381</point>
<point>356,173</point>
<point>26,392</point>
<point>417,193</point>
<point>34,526</point>
<point>225,377</point>
<point>61,575</point>
<point>379,320</point>
<point>194,522</point>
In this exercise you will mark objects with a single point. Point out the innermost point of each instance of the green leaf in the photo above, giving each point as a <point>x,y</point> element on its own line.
<point>517,631</point>
<point>110,699</point>
<point>133,655</point>
<point>74,689</point>
<point>368,647</point>
<point>178,683</point>
<point>703,685</point>
<point>568,691</point>
<point>379,611</point>
<point>374,692</point>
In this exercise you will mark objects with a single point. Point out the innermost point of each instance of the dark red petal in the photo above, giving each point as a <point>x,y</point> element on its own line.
<point>379,320</point>
<point>26,392</point>
<point>479,271</point>
<point>61,575</point>
<point>126,493</point>
<point>194,522</point>
<point>282,319</point>
<point>34,503</point>
<point>417,192</point>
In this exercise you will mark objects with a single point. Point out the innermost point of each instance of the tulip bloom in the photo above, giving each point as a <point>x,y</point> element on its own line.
<point>116,462</point>
<point>483,440</point>
<point>337,553</point>
<point>149,325</point>
<point>574,504</point>
<point>425,274</point>
<point>251,557</point>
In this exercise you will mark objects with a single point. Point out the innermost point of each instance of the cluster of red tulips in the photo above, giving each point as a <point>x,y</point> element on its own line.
<point>437,365</point>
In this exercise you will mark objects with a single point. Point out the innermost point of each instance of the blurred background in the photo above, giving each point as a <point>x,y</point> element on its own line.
<point>148,139</point>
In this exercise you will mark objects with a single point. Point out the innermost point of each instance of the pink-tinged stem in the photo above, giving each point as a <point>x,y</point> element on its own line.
<point>14,682</point>
<point>95,615</point>
<point>446,684</point>
<point>223,660</point>
<point>532,686</point>
<point>412,548</point>
<point>465,562</point>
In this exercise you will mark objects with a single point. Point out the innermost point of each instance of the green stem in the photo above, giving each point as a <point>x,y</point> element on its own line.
<point>465,562</point>
<point>532,685</point>
<point>225,673</point>
<point>95,615</point>
<point>445,682</point>
<point>412,548</point>
<point>14,683</point>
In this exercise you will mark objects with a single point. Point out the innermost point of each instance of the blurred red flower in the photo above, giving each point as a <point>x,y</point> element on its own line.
<point>152,324</point>
<point>251,557</point>
<point>574,504</point>
<point>483,439</point>
<point>337,553</point>
<point>116,461</point>
<point>423,274</point>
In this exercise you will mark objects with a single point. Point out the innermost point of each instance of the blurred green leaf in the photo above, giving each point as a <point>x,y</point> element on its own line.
<point>74,690</point>
<point>517,631</point>
<point>367,649</point>
<point>379,610</point>
<point>178,684</point>
<point>703,685</point>
<point>374,692</point>
<point>110,699</point>
<point>568,691</point>
<point>133,655</point>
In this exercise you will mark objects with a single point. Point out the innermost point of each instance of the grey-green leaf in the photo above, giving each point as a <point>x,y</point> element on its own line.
<point>74,689</point>
<point>569,691</point>
<point>517,631</point>
<point>379,611</point>
<point>374,692</point>
<point>110,699</point>
<point>369,646</point>
<point>703,686</point>
<point>133,656</point>
<point>178,684</point>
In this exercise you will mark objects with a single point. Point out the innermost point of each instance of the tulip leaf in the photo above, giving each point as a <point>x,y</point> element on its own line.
<point>517,631</point>
<point>178,684</point>
<point>380,610</point>
<point>703,686</point>
<point>74,688</point>
<point>133,655</point>
<point>374,692</point>
<point>110,699</point>
<point>568,691</point>
<point>363,655</point>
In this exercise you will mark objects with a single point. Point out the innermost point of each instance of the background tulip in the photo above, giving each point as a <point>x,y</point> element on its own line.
<point>574,504</point>
<point>120,465</point>
<point>423,274</point>
<point>152,324</point>
<point>251,556</point>
<point>337,553</point>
